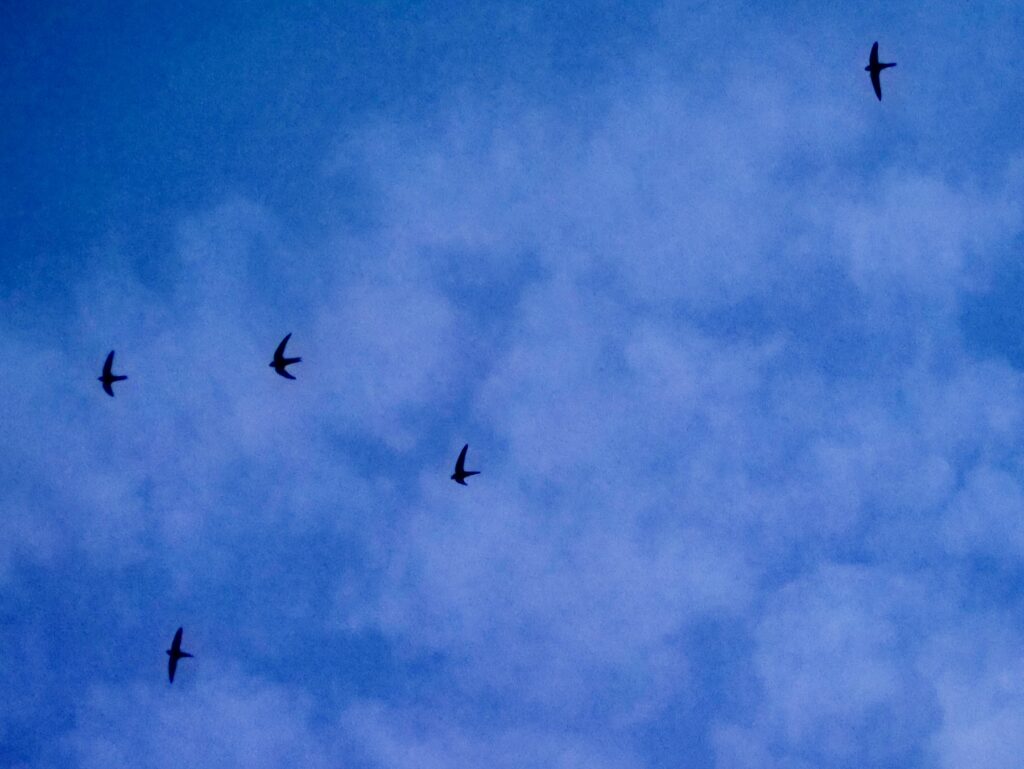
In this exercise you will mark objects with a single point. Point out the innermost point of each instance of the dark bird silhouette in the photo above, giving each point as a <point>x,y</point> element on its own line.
<point>108,378</point>
<point>875,68</point>
<point>461,473</point>
<point>280,363</point>
<point>175,653</point>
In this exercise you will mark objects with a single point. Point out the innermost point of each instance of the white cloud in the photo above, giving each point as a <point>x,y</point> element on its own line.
<point>387,349</point>
<point>984,517</point>
<point>414,739</point>
<point>836,659</point>
<point>977,669</point>
<point>218,721</point>
<point>631,319</point>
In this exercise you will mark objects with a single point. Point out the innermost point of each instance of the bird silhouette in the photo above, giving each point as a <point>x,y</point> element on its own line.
<point>461,473</point>
<point>108,378</point>
<point>175,653</point>
<point>875,68</point>
<point>280,363</point>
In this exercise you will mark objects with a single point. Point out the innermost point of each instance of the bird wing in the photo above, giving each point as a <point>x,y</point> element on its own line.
<point>109,362</point>
<point>176,643</point>
<point>876,82</point>
<point>873,59</point>
<point>460,463</point>
<point>279,352</point>
<point>172,665</point>
<point>107,388</point>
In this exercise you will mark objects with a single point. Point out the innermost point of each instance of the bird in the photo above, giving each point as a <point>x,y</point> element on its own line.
<point>108,378</point>
<point>280,363</point>
<point>175,653</point>
<point>875,67</point>
<point>461,473</point>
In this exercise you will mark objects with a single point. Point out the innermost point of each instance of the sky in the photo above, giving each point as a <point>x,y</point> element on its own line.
<point>738,351</point>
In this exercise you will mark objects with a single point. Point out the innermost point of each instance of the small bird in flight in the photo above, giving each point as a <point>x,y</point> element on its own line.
<point>108,378</point>
<point>875,67</point>
<point>175,653</point>
<point>461,473</point>
<point>280,363</point>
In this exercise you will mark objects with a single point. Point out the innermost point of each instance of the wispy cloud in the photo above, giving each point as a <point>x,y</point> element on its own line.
<point>741,466</point>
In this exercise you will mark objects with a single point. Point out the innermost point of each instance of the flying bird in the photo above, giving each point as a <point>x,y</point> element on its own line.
<point>175,653</point>
<point>108,378</point>
<point>875,68</point>
<point>461,473</point>
<point>280,363</point>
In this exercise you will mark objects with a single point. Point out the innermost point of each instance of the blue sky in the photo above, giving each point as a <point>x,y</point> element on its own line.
<point>736,348</point>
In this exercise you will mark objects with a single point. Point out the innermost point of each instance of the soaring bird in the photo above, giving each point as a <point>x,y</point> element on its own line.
<point>875,67</point>
<point>461,473</point>
<point>108,378</point>
<point>280,363</point>
<point>175,653</point>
